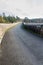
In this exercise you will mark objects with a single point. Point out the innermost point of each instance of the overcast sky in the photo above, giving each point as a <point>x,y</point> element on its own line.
<point>22,8</point>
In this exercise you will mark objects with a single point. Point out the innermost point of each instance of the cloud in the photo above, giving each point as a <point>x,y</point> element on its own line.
<point>19,10</point>
<point>31,8</point>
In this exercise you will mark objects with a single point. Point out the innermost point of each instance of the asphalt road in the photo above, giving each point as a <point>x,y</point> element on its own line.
<point>20,47</point>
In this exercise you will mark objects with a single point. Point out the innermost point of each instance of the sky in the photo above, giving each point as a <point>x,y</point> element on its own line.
<point>22,8</point>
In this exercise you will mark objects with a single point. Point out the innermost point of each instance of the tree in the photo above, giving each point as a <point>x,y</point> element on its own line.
<point>1,19</point>
<point>5,18</point>
<point>26,19</point>
<point>17,18</point>
<point>11,19</point>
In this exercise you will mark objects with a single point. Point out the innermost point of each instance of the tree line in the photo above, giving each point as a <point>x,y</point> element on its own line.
<point>8,19</point>
<point>35,20</point>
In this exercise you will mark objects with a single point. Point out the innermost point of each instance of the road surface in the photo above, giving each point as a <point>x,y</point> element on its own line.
<point>20,47</point>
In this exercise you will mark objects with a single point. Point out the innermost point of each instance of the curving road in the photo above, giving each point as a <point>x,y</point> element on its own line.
<point>20,47</point>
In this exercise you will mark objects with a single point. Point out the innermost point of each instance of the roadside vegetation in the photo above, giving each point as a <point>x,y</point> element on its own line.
<point>8,19</point>
<point>36,20</point>
<point>35,29</point>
